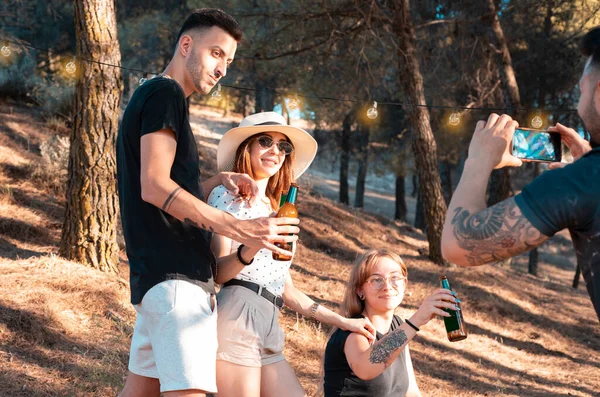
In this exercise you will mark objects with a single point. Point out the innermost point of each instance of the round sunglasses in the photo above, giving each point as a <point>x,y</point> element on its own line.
<point>284,147</point>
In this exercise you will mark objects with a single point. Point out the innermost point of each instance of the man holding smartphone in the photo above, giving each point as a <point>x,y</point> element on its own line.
<point>568,197</point>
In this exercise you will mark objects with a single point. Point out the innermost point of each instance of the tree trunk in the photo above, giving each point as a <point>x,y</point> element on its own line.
<point>345,156</point>
<point>577,276</point>
<point>400,213</point>
<point>533,254</point>
<point>500,185</point>
<point>423,142</point>
<point>446,177</point>
<point>89,232</point>
<point>507,73</point>
<point>419,214</point>
<point>363,162</point>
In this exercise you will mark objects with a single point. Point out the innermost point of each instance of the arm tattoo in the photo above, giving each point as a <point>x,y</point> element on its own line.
<point>383,349</point>
<point>190,222</point>
<point>495,233</point>
<point>170,199</point>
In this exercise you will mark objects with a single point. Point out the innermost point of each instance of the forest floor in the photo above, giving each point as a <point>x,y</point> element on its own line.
<point>65,328</point>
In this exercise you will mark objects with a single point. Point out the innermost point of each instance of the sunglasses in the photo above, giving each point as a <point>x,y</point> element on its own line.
<point>284,147</point>
<point>377,282</point>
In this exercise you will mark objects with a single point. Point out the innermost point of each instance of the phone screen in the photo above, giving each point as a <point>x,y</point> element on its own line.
<point>536,145</point>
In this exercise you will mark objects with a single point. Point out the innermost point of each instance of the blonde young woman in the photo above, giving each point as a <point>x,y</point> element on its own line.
<point>250,361</point>
<point>353,366</point>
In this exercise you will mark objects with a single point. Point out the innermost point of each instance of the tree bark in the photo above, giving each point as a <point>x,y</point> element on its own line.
<point>400,212</point>
<point>577,277</point>
<point>533,254</point>
<point>363,163</point>
<point>345,157</point>
<point>423,142</point>
<point>419,214</point>
<point>507,73</point>
<point>446,177</point>
<point>89,232</point>
<point>500,185</point>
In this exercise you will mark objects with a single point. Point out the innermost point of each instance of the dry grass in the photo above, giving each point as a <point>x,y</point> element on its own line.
<point>65,329</point>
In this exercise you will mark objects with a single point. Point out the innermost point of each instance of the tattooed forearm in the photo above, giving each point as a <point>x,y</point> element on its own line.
<point>495,233</point>
<point>383,349</point>
<point>170,199</point>
<point>190,222</point>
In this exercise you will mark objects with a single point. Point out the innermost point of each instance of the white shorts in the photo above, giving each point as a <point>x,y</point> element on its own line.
<point>175,337</point>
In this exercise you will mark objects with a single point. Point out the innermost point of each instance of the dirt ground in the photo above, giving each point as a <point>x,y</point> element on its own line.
<point>65,328</point>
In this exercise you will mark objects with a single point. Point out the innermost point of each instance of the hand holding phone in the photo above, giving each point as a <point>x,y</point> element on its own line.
<point>537,145</point>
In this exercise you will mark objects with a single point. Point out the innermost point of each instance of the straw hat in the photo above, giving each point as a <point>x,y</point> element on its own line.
<point>305,146</point>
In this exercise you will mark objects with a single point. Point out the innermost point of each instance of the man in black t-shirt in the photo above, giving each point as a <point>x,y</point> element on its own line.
<point>568,197</point>
<point>168,227</point>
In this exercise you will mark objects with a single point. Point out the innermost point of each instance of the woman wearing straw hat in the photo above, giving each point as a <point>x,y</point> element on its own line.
<point>250,359</point>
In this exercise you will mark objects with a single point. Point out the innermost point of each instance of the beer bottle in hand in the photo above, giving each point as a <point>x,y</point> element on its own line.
<point>287,210</point>
<point>455,324</point>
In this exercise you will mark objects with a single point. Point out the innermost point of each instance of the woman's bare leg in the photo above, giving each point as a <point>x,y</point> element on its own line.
<point>278,380</point>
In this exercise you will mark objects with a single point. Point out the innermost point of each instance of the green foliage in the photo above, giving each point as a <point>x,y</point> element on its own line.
<point>18,76</point>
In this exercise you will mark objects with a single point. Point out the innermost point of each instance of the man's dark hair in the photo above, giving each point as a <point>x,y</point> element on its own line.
<point>590,46</point>
<point>206,18</point>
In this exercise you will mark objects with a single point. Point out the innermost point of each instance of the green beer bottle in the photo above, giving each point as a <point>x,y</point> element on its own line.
<point>287,210</point>
<point>455,324</point>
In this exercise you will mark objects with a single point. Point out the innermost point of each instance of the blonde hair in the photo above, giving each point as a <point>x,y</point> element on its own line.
<point>278,183</point>
<point>352,305</point>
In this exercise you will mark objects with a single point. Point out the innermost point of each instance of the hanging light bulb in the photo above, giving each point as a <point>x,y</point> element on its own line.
<point>537,121</point>
<point>372,113</point>
<point>71,67</point>
<point>6,49</point>
<point>293,104</point>
<point>454,118</point>
<point>216,95</point>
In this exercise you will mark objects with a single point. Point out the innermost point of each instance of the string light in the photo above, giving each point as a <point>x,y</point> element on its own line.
<point>293,104</point>
<point>6,49</point>
<point>216,95</point>
<point>454,118</point>
<point>537,121</point>
<point>372,113</point>
<point>71,66</point>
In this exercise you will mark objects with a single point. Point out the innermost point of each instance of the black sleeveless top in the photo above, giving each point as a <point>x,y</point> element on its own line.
<point>341,381</point>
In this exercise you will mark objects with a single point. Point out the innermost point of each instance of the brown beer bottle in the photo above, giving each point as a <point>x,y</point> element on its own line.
<point>455,324</point>
<point>287,210</point>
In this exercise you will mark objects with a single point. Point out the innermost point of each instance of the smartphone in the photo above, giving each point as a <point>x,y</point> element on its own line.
<point>537,145</point>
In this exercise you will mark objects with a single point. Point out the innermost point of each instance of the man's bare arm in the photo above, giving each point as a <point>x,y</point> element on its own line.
<point>496,233</point>
<point>157,156</point>
<point>474,234</point>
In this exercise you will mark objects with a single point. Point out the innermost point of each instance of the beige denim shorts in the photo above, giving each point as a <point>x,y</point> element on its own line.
<point>248,328</point>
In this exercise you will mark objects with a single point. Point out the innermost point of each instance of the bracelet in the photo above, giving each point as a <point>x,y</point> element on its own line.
<point>313,310</point>
<point>239,256</point>
<point>412,325</point>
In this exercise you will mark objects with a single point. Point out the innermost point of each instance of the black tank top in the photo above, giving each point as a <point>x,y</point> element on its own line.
<point>341,381</point>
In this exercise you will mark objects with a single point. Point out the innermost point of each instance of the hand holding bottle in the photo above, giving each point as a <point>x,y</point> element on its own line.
<point>434,305</point>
